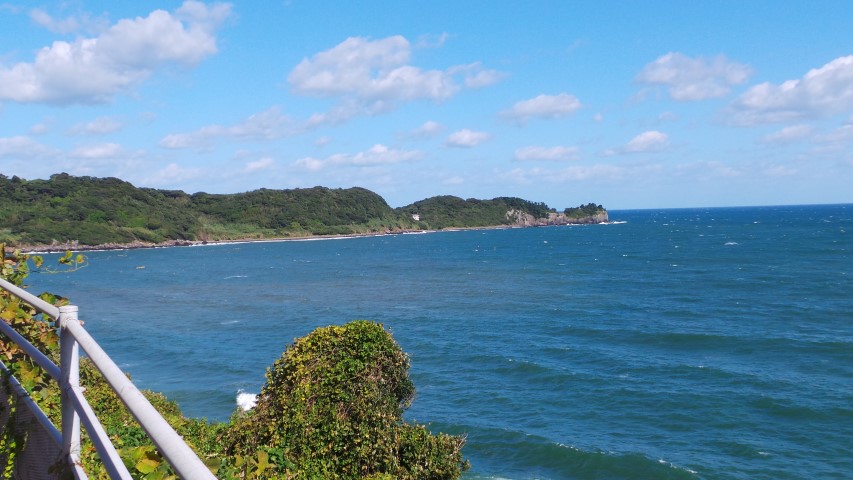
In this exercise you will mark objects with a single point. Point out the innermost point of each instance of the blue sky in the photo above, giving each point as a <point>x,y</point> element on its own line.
<point>627,104</point>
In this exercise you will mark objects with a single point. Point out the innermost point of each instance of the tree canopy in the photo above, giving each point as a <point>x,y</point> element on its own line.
<point>95,211</point>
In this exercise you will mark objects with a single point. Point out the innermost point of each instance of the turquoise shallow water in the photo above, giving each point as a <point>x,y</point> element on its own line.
<point>690,343</point>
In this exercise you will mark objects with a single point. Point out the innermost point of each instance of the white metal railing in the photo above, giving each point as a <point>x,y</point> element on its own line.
<point>75,407</point>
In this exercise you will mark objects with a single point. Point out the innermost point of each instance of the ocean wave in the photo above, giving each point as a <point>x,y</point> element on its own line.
<point>246,401</point>
<point>560,460</point>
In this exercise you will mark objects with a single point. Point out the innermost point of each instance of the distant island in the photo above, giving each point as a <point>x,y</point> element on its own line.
<point>79,213</point>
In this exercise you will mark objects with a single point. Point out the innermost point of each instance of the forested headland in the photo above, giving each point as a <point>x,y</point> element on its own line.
<point>66,210</point>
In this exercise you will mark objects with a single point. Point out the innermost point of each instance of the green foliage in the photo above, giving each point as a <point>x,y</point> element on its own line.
<point>449,212</point>
<point>89,210</point>
<point>95,211</point>
<point>41,332</point>
<point>588,210</point>
<point>332,406</point>
<point>277,209</point>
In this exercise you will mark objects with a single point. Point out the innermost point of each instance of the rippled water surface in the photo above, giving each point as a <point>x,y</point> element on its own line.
<point>691,343</point>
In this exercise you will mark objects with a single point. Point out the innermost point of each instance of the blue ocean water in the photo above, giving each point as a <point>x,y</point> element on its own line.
<point>682,344</point>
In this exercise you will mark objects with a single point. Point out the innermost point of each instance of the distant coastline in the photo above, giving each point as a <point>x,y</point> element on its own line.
<point>138,245</point>
<point>66,212</point>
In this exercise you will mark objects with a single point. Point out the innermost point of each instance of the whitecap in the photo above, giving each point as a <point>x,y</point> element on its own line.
<point>246,401</point>
<point>236,276</point>
<point>731,243</point>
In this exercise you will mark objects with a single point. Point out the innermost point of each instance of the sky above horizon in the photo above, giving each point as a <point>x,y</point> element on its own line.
<point>628,104</point>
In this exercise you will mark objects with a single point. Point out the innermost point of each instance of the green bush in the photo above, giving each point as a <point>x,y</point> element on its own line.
<point>332,408</point>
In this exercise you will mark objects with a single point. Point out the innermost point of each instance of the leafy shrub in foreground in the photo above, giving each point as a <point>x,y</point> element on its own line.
<point>332,408</point>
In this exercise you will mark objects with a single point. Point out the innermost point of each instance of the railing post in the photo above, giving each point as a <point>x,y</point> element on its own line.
<point>69,352</point>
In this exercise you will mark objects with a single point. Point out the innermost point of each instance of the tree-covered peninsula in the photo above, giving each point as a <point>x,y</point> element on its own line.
<point>69,211</point>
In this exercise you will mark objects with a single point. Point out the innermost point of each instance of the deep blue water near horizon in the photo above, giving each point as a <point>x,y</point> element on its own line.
<point>682,344</point>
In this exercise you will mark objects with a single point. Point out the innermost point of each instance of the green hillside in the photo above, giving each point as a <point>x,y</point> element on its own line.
<point>97,211</point>
<point>453,212</point>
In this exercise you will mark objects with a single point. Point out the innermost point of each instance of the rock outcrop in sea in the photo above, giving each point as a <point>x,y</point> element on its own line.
<point>523,219</point>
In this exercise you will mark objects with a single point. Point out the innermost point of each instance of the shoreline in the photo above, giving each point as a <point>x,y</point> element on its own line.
<point>136,245</point>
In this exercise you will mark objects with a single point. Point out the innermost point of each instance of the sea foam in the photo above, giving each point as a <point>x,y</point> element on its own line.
<point>246,401</point>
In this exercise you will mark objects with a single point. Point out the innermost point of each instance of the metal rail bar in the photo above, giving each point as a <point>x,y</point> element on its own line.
<point>69,360</point>
<point>109,456</point>
<point>34,353</point>
<point>24,396</point>
<point>39,304</point>
<point>75,407</point>
<point>179,455</point>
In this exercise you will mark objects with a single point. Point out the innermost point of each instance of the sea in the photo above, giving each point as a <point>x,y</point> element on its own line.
<point>710,343</point>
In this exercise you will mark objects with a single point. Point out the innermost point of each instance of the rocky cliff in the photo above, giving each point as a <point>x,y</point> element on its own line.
<point>523,219</point>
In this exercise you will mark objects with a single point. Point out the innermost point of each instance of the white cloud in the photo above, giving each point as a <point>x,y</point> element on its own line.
<point>706,170</point>
<point>667,117</point>
<point>269,124</point>
<point>40,128</point>
<point>432,41</point>
<point>599,172</point>
<point>94,70</point>
<point>375,155</point>
<point>821,92</point>
<point>651,141</point>
<point>838,137</point>
<point>589,172</point>
<point>104,150</point>
<point>544,106</point>
<point>780,171</point>
<point>697,78</point>
<point>429,129</point>
<point>646,142</point>
<point>174,174</point>
<point>310,163</point>
<point>69,24</point>
<point>375,76</point>
<point>259,165</point>
<point>21,147</point>
<point>98,126</point>
<point>558,153</point>
<point>466,138</point>
<point>788,134</point>
<point>476,76</point>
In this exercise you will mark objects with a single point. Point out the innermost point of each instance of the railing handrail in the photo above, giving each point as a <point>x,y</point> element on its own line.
<point>75,407</point>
